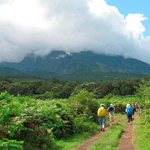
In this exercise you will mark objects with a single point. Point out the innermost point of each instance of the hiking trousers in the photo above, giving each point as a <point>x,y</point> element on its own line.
<point>102,120</point>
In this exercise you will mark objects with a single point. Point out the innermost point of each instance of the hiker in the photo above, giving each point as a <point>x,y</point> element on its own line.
<point>134,109</point>
<point>136,105</point>
<point>129,111</point>
<point>102,117</point>
<point>129,104</point>
<point>111,111</point>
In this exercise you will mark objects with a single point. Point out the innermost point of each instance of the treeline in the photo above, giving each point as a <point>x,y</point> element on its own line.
<point>55,88</point>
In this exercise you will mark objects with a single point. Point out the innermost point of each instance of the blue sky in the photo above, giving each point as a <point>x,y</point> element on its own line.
<point>111,27</point>
<point>134,6</point>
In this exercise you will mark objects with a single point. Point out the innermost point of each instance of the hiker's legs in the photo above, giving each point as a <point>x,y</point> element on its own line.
<point>103,123</point>
<point>133,115</point>
<point>129,119</point>
<point>100,121</point>
<point>111,116</point>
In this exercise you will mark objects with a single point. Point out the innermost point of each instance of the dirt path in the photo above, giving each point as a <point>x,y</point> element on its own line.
<point>87,143</point>
<point>126,141</point>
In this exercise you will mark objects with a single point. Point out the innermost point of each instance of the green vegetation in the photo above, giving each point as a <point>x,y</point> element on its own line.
<point>53,114</point>
<point>73,142</point>
<point>55,89</point>
<point>110,139</point>
<point>38,122</point>
<point>142,133</point>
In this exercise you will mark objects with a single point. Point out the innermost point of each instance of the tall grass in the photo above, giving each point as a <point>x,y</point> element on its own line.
<point>142,134</point>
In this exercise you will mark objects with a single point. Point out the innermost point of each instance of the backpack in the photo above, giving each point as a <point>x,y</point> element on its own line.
<point>110,109</point>
<point>101,112</point>
<point>136,104</point>
<point>129,110</point>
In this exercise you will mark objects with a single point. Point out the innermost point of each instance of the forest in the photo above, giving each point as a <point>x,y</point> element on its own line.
<point>42,113</point>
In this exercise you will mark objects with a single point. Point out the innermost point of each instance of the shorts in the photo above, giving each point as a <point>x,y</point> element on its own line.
<point>102,120</point>
<point>129,118</point>
<point>111,114</point>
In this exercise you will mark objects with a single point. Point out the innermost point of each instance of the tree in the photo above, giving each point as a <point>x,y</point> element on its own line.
<point>16,88</point>
<point>103,90</point>
<point>68,88</point>
<point>88,86</point>
<point>34,85</point>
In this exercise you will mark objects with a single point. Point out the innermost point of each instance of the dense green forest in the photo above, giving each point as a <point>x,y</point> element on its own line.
<point>36,113</point>
<point>55,88</point>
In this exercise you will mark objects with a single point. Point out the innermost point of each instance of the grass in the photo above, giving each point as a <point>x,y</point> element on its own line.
<point>110,139</point>
<point>142,134</point>
<point>72,142</point>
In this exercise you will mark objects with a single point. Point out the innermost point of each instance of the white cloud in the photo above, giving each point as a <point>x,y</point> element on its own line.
<point>134,25</point>
<point>40,26</point>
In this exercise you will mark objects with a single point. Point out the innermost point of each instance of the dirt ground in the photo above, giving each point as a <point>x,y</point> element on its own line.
<point>87,143</point>
<point>125,143</point>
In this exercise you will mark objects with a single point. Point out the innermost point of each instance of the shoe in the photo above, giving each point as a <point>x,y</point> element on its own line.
<point>113,121</point>
<point>103,130</point>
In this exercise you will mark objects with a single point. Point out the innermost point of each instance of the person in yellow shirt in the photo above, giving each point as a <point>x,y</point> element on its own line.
<point>102,117</point>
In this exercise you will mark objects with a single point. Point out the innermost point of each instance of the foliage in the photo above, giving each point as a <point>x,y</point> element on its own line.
<point>143,92</point>
<point>142,133</point>
<point>38,122</point>
<point>6,144</point>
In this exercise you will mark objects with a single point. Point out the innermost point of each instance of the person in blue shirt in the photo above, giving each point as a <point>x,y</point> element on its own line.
<point>129,111</point>
<point>111,111</point>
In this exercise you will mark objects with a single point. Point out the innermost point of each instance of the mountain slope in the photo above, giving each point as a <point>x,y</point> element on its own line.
<point>61,62</point>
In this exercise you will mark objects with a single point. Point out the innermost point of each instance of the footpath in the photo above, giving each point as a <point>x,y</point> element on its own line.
<point>87,143</point>
<point>125,143</point>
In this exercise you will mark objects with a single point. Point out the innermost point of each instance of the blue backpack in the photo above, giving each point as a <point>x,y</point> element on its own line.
<point>129,110</point>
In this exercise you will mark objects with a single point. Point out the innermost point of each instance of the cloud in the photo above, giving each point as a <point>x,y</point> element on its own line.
<point>40,26</point>
<point>134,24</point>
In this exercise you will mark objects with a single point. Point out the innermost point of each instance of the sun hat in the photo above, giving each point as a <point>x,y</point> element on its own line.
<point>128,105</point>
<point>102,104</point>
<point>111,104</point>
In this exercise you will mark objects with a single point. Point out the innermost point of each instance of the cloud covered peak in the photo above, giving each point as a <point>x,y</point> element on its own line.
<point>41,26</point>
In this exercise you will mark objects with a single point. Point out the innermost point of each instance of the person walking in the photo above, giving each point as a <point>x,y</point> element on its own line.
<point>134,109</point>
<point>102,117</point>
<point>129,111</point>
<point>111,111</point>
<point>136,105</point>
<point>129,104</point>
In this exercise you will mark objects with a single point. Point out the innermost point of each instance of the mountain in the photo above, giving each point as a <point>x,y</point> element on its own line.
<point>61,62</point>
<point>74,65</point>
<point>11,72</point>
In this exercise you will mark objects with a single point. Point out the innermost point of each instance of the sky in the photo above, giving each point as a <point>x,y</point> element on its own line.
<point>111,27</point>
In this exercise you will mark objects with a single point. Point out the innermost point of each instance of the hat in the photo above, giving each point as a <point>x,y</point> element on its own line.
<point>102,104</point>
<point>128,105</point>
<point>111,104</point>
